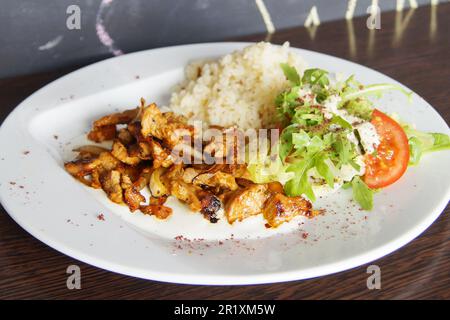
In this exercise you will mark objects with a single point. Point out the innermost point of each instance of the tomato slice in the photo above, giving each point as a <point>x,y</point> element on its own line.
<point>391,158</point>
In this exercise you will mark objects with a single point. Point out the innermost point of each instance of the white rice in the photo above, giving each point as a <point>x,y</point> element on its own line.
<point>239,89</point>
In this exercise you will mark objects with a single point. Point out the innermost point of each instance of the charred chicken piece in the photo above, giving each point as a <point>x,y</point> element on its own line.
<point>159,211</point>
<point>121,153</point>
<point>280,208</point>
<point>246,202</point>
<point>124,117</point>
<point>210,205</point>
<point>103,133</point>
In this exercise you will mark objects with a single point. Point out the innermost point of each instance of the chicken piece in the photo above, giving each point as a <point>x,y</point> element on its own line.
<point>95,180</point>
<point>210,205</point>
<point>210,176</point>
<point>275,187</point>
<point>105,127</point>
<point>152,122</point>
<point>90,165</point>
<point>280,208</point>
<point>144,178</point>
<point>186,193</point>
<point>86,166</point>
<point>107,161</point>
<point>82,167</point>
<point>219,180</point>
<point>89,151</point>
<point>244,183</point>
<point>145,151</point>
<point>211,168</point>
<point>246,202</point>
<point>132,183</point>
<point>159,211</point>
<point>189,174</point>
<point>125,136</point>
<point>124,117</point>
<point>135,130</point>
<point>157,187</point>
<point>103,133</point>
<point>237,170</point>
<point>133,198</point>
<point>231,145</point>
<point>110,182</point>
<point>120,152</point>
<point>166,127</point>
<point>157,201</point>
<point>161,157</point>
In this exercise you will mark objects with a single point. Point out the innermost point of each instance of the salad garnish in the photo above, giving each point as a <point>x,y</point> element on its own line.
<point>333,137</point>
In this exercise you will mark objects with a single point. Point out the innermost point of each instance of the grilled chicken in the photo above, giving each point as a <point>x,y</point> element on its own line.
<point>280,208</point>
<point>159,211</point>
<point>110,181</point>
<point>104,133</point>
<point>121,153</point>
<point>210,205</point>
<point>246,202</point>
<point>145,154</point>
<point>105,127</point>
<point>124,117</point>
<point>166,127</point>
<point>268,199</point>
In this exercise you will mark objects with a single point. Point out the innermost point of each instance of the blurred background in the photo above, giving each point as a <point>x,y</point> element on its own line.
<point>45,35</point>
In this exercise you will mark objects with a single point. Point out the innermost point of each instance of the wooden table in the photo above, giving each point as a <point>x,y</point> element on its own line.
<point>412,48</point>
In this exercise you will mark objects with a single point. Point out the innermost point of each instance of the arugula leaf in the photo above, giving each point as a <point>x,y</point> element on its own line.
<point>341,122</point>
<point>355,166</point>
<point>315,145</point>
<point>286,141</point>
<point>299,184</point>
<point>291,74</point>
<point>300,140</point>
<point>315,76</point>
<point>286,102</point>
<point>359,107</point>
<point>343,149</point>
<point>347,185</point>
<point>324,170</point>
<point>307,116</point>
<point>362,193</point>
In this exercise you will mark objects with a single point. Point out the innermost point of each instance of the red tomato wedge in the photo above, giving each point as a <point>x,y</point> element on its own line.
<point>391,158</point>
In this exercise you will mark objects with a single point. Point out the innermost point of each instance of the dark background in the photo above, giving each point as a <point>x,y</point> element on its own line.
<point>28,27</point>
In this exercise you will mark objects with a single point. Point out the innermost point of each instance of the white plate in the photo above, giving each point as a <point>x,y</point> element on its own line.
<point>53,207</point>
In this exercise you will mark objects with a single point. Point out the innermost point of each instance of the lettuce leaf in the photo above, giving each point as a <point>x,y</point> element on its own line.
<point>299,184</point>
<point>316,76</point>
<point>291,74</point>
<point>350,93</point>
<point>324,170</point>
<point>358,107</point>
<point>422,142</point>
<point>286,144</point>
<point>362,193</point>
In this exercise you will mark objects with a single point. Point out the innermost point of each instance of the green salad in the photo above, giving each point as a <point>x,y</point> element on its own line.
<point>332,137</point>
